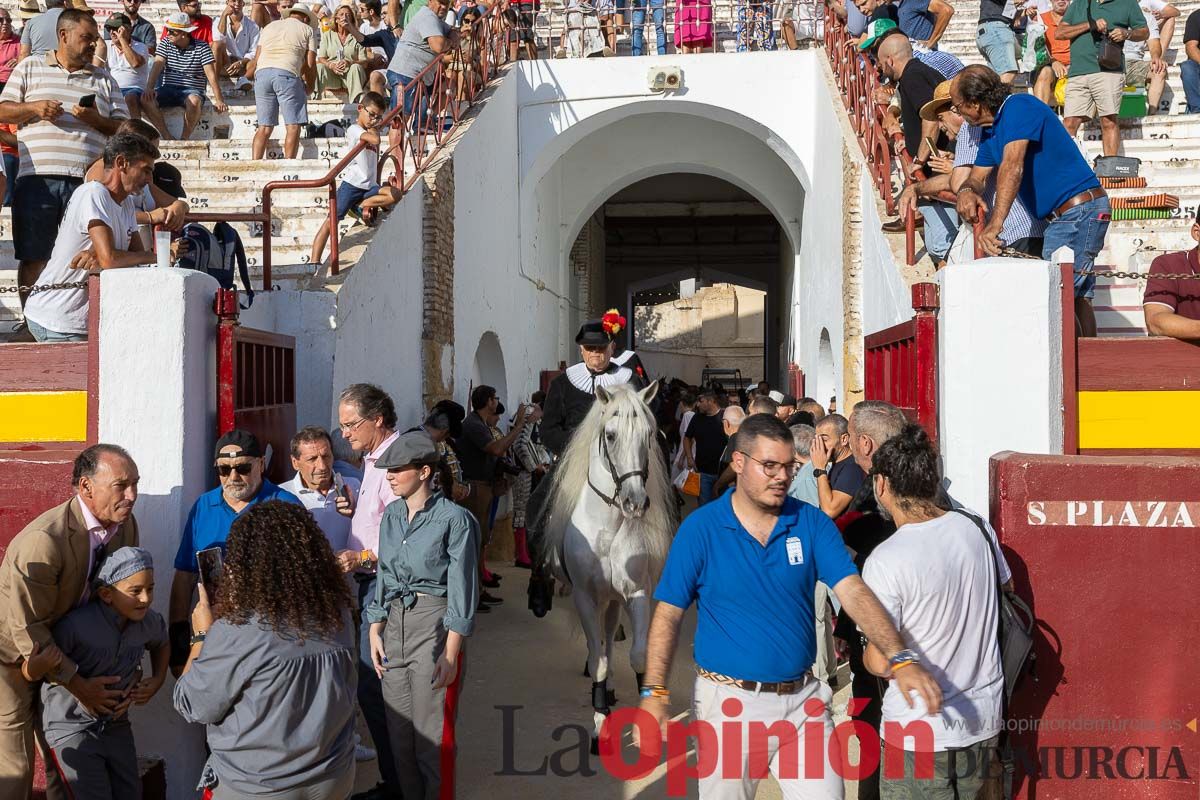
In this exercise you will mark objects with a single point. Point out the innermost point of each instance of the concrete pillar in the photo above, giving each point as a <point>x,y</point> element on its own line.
<point>1000,375</point>
<point>158,400</point>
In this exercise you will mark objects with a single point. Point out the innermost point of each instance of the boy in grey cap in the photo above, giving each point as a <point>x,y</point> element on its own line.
<point>107,637</point>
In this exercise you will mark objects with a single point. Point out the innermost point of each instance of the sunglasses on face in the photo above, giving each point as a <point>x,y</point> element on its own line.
<point>225,470</point>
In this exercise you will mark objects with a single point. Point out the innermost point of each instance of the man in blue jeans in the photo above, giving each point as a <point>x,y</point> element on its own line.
<point>705,437</point>
<point>1038,160</point>
<point>658,14</point>
<point>1189,69</point>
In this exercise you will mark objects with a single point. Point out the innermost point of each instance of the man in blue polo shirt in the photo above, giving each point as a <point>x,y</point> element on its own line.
<point>240,467</point>
<point>750,561</point>
<point>1039,161</point>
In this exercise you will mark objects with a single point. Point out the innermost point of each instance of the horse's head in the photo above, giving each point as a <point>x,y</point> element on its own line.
<point>621,458</point>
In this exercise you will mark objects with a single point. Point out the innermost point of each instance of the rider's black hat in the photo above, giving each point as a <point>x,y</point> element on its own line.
<point>592,333</point>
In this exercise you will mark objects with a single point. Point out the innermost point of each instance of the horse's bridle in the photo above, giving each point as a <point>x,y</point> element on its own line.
<point>642,473</point>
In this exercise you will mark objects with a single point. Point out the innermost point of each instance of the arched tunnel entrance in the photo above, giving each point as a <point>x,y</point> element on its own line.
<point>699,266</point>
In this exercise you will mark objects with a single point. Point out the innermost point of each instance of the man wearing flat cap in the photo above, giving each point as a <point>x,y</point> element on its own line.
<point>568,401</point>
<point>421,614</point>
<point>46,572</point>
<point>239,464</point>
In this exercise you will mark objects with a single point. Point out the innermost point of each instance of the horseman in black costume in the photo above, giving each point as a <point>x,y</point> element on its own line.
<point>568,401</point>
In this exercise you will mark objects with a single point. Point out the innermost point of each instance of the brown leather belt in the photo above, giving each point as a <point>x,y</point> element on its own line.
<point>1077,200</point>
<point>782,687</point>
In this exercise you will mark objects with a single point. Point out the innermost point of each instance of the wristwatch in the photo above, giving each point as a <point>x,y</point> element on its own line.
<point>818,472</point>
<point>198,637</point>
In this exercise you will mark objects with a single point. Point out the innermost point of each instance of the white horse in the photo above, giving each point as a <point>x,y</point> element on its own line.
<point>610,516</point>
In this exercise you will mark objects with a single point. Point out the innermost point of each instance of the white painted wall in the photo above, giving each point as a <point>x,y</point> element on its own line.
<point>378,324</point>
<point>1000,357</point>
<point>158,400</point>
<point>887,300</point>
<point>310,317</point>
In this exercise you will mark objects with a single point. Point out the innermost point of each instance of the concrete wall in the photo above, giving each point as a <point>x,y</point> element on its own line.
<point>158,400</point>
<point>1000,358</point>
<point>378,322</point>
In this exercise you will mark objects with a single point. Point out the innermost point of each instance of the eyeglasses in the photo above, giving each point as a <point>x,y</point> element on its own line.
<point>373,114</point>
<point>225,470</point>
<point>346,427</point>
<point>772,468</point>
<point>5,20</point>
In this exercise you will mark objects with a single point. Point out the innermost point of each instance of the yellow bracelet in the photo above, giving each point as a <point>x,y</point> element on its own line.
<point>901,664</point>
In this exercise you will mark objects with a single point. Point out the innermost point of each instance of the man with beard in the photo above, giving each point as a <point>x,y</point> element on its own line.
<point>46,572</point>
<point>239,463</point>
<point>568,401</point>
<point>750,560</point>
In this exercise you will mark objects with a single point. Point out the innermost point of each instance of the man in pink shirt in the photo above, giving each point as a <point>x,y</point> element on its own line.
<point>367,418</point>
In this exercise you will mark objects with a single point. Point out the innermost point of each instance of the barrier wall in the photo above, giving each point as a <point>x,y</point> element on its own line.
<point>1000,386</point>
<point>1107,552</point>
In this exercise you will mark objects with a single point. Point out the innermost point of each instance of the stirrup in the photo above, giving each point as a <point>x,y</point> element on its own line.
<point>541,594</point>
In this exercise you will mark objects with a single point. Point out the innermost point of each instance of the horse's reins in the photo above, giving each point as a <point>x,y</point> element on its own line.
<point>642,473</point>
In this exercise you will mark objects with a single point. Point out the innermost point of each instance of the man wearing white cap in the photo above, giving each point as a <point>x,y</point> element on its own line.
<point>185,64</point>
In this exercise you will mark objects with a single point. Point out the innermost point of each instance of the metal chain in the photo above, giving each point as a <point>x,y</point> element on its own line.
<point>1008,252</point>
<point>45,287</point>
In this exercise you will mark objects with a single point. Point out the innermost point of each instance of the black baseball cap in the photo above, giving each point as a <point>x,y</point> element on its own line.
<point>246,442</point>
<point>169,179</point>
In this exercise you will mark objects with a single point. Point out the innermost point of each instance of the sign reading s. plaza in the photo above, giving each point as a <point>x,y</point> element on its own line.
<point>1113,513</point>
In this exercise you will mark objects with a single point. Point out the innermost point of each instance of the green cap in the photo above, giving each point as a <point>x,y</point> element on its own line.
<point>878,29</point>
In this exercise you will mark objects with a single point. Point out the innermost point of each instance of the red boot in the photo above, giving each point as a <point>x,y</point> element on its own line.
<point>522,547</point>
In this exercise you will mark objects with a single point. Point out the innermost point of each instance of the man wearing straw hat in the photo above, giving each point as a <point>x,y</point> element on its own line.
<point>185,65</point>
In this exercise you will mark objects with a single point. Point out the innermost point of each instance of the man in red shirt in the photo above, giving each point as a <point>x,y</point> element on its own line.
<point>203,22</point>
<point>1172,305</point>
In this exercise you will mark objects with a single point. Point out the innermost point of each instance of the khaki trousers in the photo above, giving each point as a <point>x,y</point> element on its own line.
<point>18,732</point>
<point>479,503</point>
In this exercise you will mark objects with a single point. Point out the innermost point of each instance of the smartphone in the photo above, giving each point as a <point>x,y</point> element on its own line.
<point>88,101</point>
<point>933,151</point>
<point>212,567</point>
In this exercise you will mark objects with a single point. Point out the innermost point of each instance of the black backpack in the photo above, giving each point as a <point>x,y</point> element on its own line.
<point>216,252</point>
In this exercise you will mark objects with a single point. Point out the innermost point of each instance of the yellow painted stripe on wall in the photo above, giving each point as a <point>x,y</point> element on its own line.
<point>43,417</point>
<point>1139,419</point>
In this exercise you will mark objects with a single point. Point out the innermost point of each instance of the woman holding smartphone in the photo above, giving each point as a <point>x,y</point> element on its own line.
<point>423,610</point>
<point>273,668</point>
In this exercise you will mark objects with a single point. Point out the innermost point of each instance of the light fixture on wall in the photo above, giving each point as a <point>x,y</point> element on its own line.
<point>664,79</point>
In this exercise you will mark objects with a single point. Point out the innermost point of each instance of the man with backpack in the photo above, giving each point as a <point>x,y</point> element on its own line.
<point>938,577</point>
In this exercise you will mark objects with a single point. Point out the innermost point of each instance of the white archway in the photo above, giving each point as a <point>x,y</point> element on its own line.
<point>487,368</point>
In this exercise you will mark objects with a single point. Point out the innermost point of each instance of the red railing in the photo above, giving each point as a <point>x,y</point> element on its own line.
<point>484,47</point>
<point>256,383</point>
<point>882,145</point>
<point>901,361</point>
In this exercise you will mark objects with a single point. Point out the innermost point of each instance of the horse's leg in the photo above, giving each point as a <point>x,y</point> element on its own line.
<point>590,617</point>
<point>612,622</point>
<point>638,609</point>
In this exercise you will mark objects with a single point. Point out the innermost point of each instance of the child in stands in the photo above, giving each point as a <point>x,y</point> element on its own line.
<point>93,748</point>
<point>360,179</point>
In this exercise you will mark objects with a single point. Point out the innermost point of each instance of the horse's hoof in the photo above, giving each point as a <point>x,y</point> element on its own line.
<point>620,637</point>
<point>595,748</point>
<point>611,696</point>
<point>587,673</point>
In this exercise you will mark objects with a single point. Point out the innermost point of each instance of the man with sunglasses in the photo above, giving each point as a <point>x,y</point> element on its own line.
<point>750,560</point>
<point>239,464</point>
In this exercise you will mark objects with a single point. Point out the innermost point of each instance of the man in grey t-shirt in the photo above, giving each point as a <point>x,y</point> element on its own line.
<point>39,36</point>
<point>425,38</point>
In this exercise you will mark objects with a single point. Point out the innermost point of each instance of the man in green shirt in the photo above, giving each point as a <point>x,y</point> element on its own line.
<point>1091,89</point>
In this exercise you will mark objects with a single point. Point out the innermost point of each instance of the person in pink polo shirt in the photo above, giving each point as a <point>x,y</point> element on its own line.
<point>367,418</point>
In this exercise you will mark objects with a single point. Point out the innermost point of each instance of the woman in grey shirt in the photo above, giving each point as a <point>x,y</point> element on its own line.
<point>273,670</point>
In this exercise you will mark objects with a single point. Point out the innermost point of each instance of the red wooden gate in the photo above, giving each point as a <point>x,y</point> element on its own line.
<point>256,383</point>
<point>901,361</point>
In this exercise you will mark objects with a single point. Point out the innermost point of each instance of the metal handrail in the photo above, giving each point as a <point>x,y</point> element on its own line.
<point>488,35</point>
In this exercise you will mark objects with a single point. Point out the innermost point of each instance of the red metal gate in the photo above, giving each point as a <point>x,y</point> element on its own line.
<point>901,361</point>
<point>256,383</point>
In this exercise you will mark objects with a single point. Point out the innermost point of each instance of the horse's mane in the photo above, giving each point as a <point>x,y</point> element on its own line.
<point>570,477</point>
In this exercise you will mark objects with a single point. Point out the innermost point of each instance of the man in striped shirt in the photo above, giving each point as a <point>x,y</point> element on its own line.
<point>66,108</point>
<point>185,65</point>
